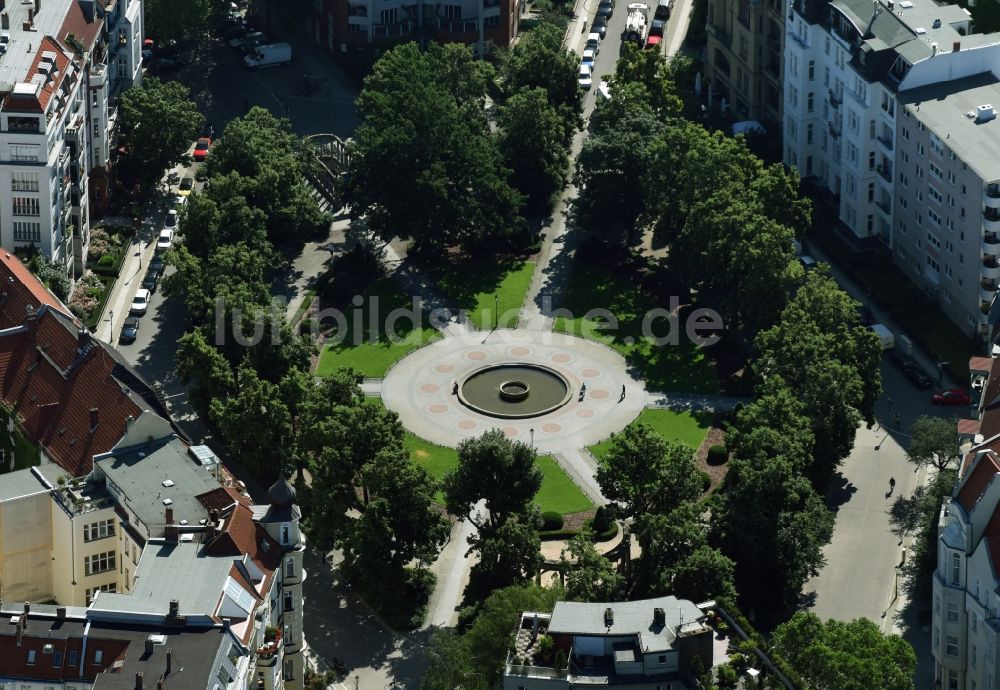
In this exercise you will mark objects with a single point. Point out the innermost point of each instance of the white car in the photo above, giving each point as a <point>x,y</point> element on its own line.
<point>588,58</point>
<point>165,241</point>
<point>170,222</point>
<point>586,77</point>
<point>179,201</point>
<point>140,302</point>
<point>594,42</point>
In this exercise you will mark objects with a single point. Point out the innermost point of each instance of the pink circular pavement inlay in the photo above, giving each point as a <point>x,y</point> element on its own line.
<point>561,358</point>
<point>599,394</point>
<point>437,408</point>
<point>444,368</point>
<point>584,414</point>
<point>519,351</point>
<point>510,432</point>
<point>430,388</point>
<point>475,355</point>
<point>590,373</point>
<point>552,428</point>
<point>467,425</point>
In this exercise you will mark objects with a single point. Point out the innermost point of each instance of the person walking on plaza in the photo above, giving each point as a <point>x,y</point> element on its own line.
<point>892,486</point>
<point>622,398</point>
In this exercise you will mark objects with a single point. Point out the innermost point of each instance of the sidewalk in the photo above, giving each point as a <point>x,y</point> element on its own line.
<point>880,316</point>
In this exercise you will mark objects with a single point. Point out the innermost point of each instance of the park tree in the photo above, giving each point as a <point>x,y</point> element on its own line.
<point>157,123</point>
<point>838,655</point>
<point>212,220</point>
<point>510,555</point>
<point>262,156</point>
<point>423,164</point>
<point>532,139</point>
<point>202,367</point>
<point>703,574</point>
<point>497,471</point>
<point>775,423</point>
<point>589,575</point>
<point>644,473</point>
<point>264,449</point>
<point>611,167</point>
<point>907,513</point>
<point>168,20</point>
<point>650,69</point>
<point>934,441</point>
<point>540,60</point>
<point>771,522</point>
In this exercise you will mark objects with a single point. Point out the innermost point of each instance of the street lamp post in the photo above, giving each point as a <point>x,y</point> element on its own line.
<point>111,319</point>
<point>532,432</point>
<point>496,311</point>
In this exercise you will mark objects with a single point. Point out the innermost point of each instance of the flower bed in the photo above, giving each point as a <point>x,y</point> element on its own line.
<point>108,249</point>
<point>89,297</point>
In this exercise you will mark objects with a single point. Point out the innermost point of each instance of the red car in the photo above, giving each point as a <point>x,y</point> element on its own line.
<point>653,41</point>
<point>201,148</point>
<point>952,396</point>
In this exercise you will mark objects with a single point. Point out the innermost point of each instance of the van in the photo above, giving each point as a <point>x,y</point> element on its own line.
<point>885,336</point>
<point>269,55</point>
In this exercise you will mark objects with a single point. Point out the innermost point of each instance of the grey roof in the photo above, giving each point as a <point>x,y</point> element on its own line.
<point>630,618</point>
<point>910,29</point>
<point>140,473</point>
<point>23,45</point>
<point>282,493</point>
<point>942,109</point>
<point>20,484</point>
<point>169,571</point>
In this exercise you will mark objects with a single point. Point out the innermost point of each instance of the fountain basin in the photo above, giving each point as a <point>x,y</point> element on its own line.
<point>514,390</point>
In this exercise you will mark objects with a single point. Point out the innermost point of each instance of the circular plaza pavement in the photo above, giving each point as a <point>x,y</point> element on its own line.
<point>420,389</point>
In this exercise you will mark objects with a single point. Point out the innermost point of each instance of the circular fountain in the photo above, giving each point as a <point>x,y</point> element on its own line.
<point>514,391</point>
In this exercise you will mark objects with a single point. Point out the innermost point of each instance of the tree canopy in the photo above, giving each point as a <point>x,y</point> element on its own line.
<point>934,441</point>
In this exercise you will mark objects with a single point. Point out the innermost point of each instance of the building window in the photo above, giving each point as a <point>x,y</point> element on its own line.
<point>24,181</point>
<point>71,659</point>
<point>453,12</point>
<point>951,645</point>
<point>99,530</point>
<point>26,206</point>
<point>956,568</point>
<point>99,563</point>
<point>31,657</point>
<point>289,669</point>
<point>812,70</point>
<point>286,601</point>
<point>286,635</point>
<point>284,534</point>
<point>57,659</point>
<point>289,567</point>
<point>809,133</point>
<point>952,608</point>
<point>111,587</point>
<point>98,656</point>
<point>24,152</point>
<point>25,231</point>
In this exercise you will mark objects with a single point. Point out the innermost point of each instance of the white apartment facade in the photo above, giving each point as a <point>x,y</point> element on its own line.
<point>62,62</point>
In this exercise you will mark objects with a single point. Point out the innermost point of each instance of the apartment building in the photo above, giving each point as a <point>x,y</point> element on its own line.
<point>62,63</point>
<point>743,65</point>
<point>483,24</point>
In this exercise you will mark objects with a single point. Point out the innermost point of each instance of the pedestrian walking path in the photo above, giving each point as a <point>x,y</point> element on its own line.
<point>452,569</point>
<point>116,309</point>
<point>581,466</point>
<point>694,401</point>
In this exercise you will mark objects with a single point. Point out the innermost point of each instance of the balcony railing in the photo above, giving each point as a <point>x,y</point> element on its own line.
<point>885,170</point>
<point>993,190</point>
<point>836,99</point>
<point>886,142</point>
<point>393,30</point>
<point>834,131</point>
<point>525,671</point>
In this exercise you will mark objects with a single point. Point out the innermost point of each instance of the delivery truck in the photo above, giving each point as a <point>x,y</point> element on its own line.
<point>269,55</point>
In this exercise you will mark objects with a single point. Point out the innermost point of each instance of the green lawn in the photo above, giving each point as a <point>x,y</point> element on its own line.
<point>25,453</point>
<point>680,367</point>
<point>558,491</point>
<point>689,427</point>
<point>373,359</point>
<point>473,286</point>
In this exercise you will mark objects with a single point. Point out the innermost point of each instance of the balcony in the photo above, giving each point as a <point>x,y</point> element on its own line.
<point>991,268</point>
<point>834,131</point>
<point>991,196</point>
<point>798,39</point>
<point>270,652</point>
<point>884,169</point>
<point>991,220</point>
<point>987,290</point>
<point>991,244</point>
<point>884,206</point>
<point>393,30</point>
<point>720,34</point>
<point>886,142</point>
<point>835,99</point>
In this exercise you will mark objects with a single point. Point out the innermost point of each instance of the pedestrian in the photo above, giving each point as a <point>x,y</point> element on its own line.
<point>454,387</point>
<point>583,391</point>
<point>892,486</point>
<point>622,398</point>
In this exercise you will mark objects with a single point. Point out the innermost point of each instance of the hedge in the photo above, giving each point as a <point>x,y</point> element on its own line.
<point>557,534</point>
<point>718,453</point>
<point>116,268</point>
<point>758,639</point>
<point>551,521</point>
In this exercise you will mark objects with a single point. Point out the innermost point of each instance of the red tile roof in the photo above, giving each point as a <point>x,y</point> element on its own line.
<point>19,289</point>
<point>977,480</point>
<point>241,535</point>
<point>968,427</point>
<point>980,364</point>
<point>14,659</point>
<point>84,30</point>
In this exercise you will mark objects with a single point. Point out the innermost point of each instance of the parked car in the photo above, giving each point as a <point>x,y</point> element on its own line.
<point>586,77</point>
<point>186,185</point>
<point>242,39</point>
<point>179,201</point>
<point>652,41</point>
<point>600,26</point>
<point>151,280</point>
<point>130,329</point>
<point>201,148</point>
<point>140,302</point>
<point>917,375</point>
<point>807,262</point>
<point>165,240</point>
<point>594,43</point>
<point>157,264</point>
<point>253,43</point>
<point>662,10</point>
<point>605,9</point>
<point>166,65</point>
<point>588,58</point>
<point>656,27</point>
<point>952,396</point>
<point>236,29</point>
<point>170,222</point>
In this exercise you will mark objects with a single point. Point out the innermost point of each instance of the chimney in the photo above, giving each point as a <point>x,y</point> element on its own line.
<point>27,607</point>
<point>19,632</point>
<point>934,47</point>
<point>659,616</point>
<point>956,46</point>
<point>170,659</point>
<point>609,616</point>
<point>94,419</point>
<point>60,613</point>
<point>169,528</point>
<point>4,20</point>
<point>138,680</point>
<point>149,647</point>
<point>129,421</point>
<point>213,516</point>
<point>175,609</point>
<point>169,517</point>
<point>31,17</point>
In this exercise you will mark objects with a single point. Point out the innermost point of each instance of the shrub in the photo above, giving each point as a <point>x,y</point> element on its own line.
<point>706,480</point>
<point>106,260</point>
<point>560,663</point>
<point>551,520</point>
<point>87,295</point>
<point>546,645</point>
<point>718,454</point>
<point>602,521</point>
<point>726,675</point>
<point>99,244</point>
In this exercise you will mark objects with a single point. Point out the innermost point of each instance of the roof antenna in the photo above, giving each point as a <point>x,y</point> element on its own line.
<point>876,11</point>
